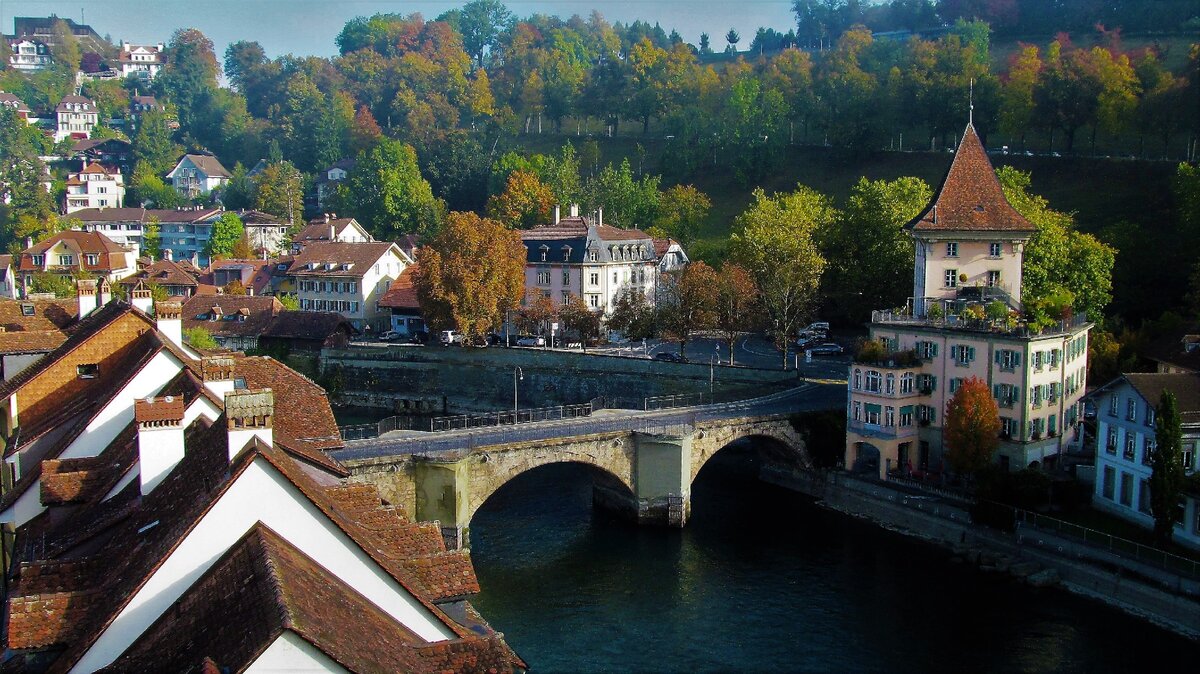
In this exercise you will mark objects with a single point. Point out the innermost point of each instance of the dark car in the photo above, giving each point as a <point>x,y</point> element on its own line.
<point>670,357</point>
<point>828,348</point>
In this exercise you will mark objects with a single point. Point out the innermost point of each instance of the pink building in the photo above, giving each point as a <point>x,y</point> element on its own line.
<point>969,248</point>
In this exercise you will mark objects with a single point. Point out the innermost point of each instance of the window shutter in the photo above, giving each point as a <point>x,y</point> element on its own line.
<point>1016,358</point>
<point>933,383</point>
<point>954,351</point>
<point>996,356</point>
<point>996,392</point>
<point>970,353</point>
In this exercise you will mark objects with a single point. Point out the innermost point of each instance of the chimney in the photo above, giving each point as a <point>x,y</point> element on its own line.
<point>105,292</point>
<point>85,291</point>
<point>28,242</point>
<point>599,216</point>
<point>327,218</point>
<point>140,298</point>
<point>168,255</point>
<point>169,316</point>
<point>557,213</point>
<point>574,210</point>
<point>332,233</point>
<point>217,373</point>
<point>248,416</point>
<point>160,438</point>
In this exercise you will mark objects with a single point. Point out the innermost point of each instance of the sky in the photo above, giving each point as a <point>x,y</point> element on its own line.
<point>308,27</point>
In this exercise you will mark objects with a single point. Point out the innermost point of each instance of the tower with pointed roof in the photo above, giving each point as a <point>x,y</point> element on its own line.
<point>969,244</point>
<point>969,240</point>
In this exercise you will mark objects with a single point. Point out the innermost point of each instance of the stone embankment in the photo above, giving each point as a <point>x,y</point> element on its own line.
<point>989,561</point>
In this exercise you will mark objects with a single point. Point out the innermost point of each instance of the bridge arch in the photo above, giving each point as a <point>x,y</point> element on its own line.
<point>611,470</point>
<point>783,443</point>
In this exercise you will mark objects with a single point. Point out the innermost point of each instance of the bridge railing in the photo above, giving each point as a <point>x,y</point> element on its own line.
<point>509,417</point>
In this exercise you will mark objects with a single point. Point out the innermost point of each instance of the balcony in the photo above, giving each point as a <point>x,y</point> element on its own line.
<point>960,316</point>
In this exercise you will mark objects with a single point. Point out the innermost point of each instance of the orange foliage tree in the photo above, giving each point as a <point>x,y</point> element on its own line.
<point>525,202</point>
<point>470,274</point>
<point>972,430</point>
<point>736,303</point>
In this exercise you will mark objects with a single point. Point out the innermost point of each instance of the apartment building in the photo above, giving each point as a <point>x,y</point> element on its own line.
<point>349,279</point>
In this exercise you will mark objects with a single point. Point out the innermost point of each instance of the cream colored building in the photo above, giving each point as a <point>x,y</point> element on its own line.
<point>969,247</point>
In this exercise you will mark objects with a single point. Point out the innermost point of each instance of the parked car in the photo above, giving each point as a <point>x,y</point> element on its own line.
<point>828,348</point>
<point>390,336</point>
<point>670,357</point>
<point>531,340</point>
<point>419,337</point>
<point>448,337</point>
<point>819,326</point>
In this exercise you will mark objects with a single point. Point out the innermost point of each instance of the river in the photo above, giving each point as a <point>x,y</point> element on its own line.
<point>763,580</point>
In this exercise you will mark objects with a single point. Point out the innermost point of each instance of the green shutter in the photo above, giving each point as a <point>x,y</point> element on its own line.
<point>907,409</point>
<point>970,353</point>
<point>996,356</point>
<point>996,391</point>
<point>872,407</point>
<point>935,348</point>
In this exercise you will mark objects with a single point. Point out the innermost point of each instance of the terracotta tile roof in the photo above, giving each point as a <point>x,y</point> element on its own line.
<point>319,229</point>
<point>322,254</point>
<point>46,314</point>
<point>110,254</point>
<point>308,325</point>
<point>260,218</point>
<point>206,163</point>
<point>13,101</point>
<point>401,294</point>
<point>165,273</point>
<point>307,428</point>
<point>970,198</point>
<point>1185,386</point>
<point>30,341</point>
<point>238,316</point>
<point>165,408</point>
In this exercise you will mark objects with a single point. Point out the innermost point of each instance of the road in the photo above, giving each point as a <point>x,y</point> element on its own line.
<point>805,398</point>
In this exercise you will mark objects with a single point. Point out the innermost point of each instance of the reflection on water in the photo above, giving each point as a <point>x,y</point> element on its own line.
<point>762,580</point>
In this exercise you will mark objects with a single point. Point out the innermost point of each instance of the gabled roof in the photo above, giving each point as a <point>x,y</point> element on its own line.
<point>68,103</point>
<point>143,215</point>
<point>308,325</point>
<point>37,315</point>
<point>1185,387</point>
<point>164,273</point>
<point>1178,348</point>
<point>260,218</point>
<point>360,257</point>
<point>970,198</point>
<point>346,165</point>
<point>204,162</point>
<point>12,101</point>
<point>320,228</point>
<point>401,294</point>
<point>570,238</point>
<point>115,145</point>
<point>109,253</point>
<point>236,315</point>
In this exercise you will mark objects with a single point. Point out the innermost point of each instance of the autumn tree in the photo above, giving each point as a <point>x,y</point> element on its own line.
<point>775,242</point>
<point>736,304</point>
<point>580,319</point>
<point>469,275</point>
<point>632,315</point>
<point>972,427</point>
<point>1166,467</point>
<point>365,131</point>
<point>226,232</point>
<point>525,202</point>
<point>535,315</point>
<point>689,303</point>
<point>682,209</point>
<point>234,287</point>
<point>279,190</point>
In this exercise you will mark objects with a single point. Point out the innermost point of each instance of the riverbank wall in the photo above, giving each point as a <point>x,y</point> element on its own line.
<point>1167,599</point>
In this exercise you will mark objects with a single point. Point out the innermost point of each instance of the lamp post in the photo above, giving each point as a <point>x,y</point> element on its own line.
<point>518,375</point>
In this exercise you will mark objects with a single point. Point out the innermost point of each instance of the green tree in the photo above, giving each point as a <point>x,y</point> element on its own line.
<point>66,49</point>
<point>627,201</point>
<point>152,143</point>
<point>1017,108</point>
<point>1058,257</point>
<point>632,315</point>
<point>385,191</point>
<point>682,209</point>
<point>279,190</point>
<point>226,232</point>
<point>152,240</point>
<point>147,189</point>
<point>579,318</point>
<point>972,428</point>
<point>482,24</point>
<point>289,302</point>
<point>775,242</point>
<point>1166,467</point>
<point>200,339</point>
<point>45,282</point>
<point>189,77</point>
<point>470,274</point>
<point>240,193</point>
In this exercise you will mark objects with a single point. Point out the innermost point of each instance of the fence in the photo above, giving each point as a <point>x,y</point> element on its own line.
<point>368,431</point>
<point>509,418</point>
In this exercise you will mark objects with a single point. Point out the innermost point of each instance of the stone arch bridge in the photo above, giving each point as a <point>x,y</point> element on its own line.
<point>644,462</point>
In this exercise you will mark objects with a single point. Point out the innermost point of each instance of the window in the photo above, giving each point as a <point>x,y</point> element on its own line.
<point>1131,409</point>
<point>927,349</point>
<point>857,378</point>
<point>39,260</point>
<point>544,249</point>
<point>1037,361</point>
<point>1147,450</point>
<point>906,416</point>
<point>1035,396</point>
<point>1005,394</point>
<point>1187,453</point>
<point>1126,489</point>
<point>995,248</point>
<point>1107,484</point>
<point>1053,393</point>
<point>857,411</point>
<point>594,279</point>
<point>1036,428</point>
<point>993,278</point>
<point>1007,359</point>
<point>543,278</point>
<point>873,381</point>
<point>66,260</point>
<point>952,249</point>
<point>891,383</point>
<point>873,412</point>
<point>954,384</point>
<point>593,301</point>
<point>615,281</point>
<point>951,278</point>
<point>907,381</point>
<point>1111,445</point>
<point>1130,446</point>
<point>592,257</point>
<point>1144,496</point>
<point>1009,427</point>
<point>566,297</point>
<point>926,414</point>
<point>889,416</point>
<point>962,354</point>
<point>566,275</point>
<point>87,371</point>
<point>928,383</point>
<point>1149,418</point>
<point>1112,405</point>
<point>27,310</point>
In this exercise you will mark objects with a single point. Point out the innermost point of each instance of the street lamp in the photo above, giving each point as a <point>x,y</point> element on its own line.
<point>518,375</point>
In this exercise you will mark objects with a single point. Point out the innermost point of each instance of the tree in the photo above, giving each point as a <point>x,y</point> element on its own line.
<point>385,192</point>
<point>579,318</point>
<point>774,241</point>
<point>226,232</point>
<point>152,240</point>
<point>149,190</point>
<point>470,274</point>
<point>200,338</point>
<point>279,190</point>
<point>632,315</point>
<point>365,131</point>
<point>732,38</point>
<point>1166,467</point>
<point>972,428</point>
<point>681,211</point>
<point>66,49</point>
<point>705,45</point>
<point>536,314</point>
<point>289,302</point>
<point>481,23</point>
<point>240,192</point>
<point>736,304</point>
<point>189,77</point>
<point>234,287</point>
<point>526,201</point>
<point>152,144</point>
<point>688,304</point>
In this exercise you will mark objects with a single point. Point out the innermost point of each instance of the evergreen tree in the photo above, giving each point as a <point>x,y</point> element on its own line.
<point>1166,464</point>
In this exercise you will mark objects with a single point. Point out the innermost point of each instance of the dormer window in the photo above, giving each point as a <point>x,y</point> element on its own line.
<point>566,253</point>
<point>39,260</point>
<point>27,310</point>
<point>88,370</point>
<point>544,250</point>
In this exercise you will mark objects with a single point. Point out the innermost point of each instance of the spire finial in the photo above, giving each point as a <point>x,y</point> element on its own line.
<point>971,109</point>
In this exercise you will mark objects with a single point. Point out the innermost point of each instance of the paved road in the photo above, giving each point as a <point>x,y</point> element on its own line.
<point>808,397</point>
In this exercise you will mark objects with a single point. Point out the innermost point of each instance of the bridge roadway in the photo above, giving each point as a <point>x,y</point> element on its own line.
<point>808,397</point>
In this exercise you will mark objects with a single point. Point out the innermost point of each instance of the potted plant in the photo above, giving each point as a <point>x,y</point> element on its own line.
<point>935,312</point>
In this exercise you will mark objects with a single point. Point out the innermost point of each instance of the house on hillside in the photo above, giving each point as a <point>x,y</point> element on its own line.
<point>329,227</point>
<point>348,278</point>
<point>235,321</point>
<point>142,61</point>
<point>581,256</point>
<point>11,101</point>
<point>178,279</point>
<point>106,151</point>
<point>267,234</point>
<point>8,279</point>
<point>183,233</point>
<point>69,252</point>
<point>76,116</point>
<point>94,186</point>
<point>26,55</point>
<point>969,245</point>
<point>327,181</point>
<point>401,300</point>
<point>1176,350</point>
<point>1126,430</point>
<point>197,175</point>
<point>254,275</point>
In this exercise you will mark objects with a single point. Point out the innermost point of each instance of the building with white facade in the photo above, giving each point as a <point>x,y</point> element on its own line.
<point>95,186</point>
<point>349,279</point>
<point>267,234</point>
<point>183,233</point>
<point>29,55</point>
<point>578,256</point>
<point>76,117</point>
<point>327,180</point>
<point>1126,428</point>
<point>11,101</point>
<point>70,252</point>
<point>969,244</point>
<point>198,174</point>
<point>142,61</point>
<point>329,227</point>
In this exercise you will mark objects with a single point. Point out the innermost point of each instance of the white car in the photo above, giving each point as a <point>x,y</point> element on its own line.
<point>531,340</point>
<point>448,337</point>
<point>390,336</point>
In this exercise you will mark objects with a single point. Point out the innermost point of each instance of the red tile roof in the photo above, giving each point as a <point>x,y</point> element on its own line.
<point>401,294</point>
<point>360,257</point>
<point>110,255</point>
<point>970,198</point>
<point>165,273</point>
